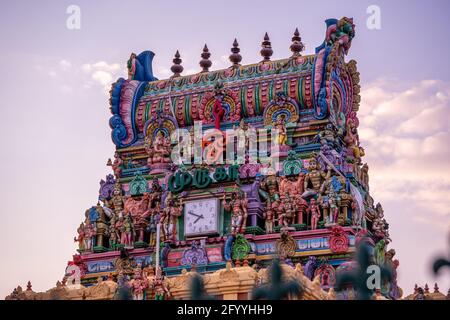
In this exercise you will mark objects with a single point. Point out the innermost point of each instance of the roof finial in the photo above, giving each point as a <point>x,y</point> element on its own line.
<point>436,288</point>
<point>297,45</point>
<point>416,288</point>
<point>205,63</point>
<point>266,50</point>
<point>427,289</point>
<point>235,57</point>
<point>29,287</point>
<point>177,68</point>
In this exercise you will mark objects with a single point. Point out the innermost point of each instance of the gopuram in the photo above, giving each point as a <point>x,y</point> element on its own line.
<point>221,172</point>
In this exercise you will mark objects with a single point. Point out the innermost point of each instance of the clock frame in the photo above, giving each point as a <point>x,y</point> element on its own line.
<point>200,212</point>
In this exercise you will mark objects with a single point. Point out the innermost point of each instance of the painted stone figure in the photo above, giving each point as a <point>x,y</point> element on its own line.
<point>286,211</point>
<point>315,213</point>
<point>172,211</point>
<point>159,287</point>
<point>131,66</point>
<point>80,238</point>
<point>269,217</point>
<point>116,165</point>
<point>158,150</point>
<point>118,200</point>
<point>127,232</point>
<point>314,179</point>
<point>138,284</point>
<point>113,233</point>
<point>280,126</point>
<point>238,207</point>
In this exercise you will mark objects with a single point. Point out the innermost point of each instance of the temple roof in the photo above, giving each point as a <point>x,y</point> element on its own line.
<point>306,84</point>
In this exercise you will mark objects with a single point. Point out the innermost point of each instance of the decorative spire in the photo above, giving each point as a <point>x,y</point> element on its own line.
<point>427,289</point>
<point>297,45</point>
<point>177,68</point>
<point>235,57</point>
<point>266,50</point>
<point>29,287</point>
<point>205,63</point>
<point>436,288</point>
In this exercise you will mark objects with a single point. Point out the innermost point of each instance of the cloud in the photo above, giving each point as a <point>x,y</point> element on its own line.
<point>406,134</point>
<point>65,65</point>
<point>102,73</point>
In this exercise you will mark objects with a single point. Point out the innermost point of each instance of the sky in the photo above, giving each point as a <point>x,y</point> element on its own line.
<point>54,109</point>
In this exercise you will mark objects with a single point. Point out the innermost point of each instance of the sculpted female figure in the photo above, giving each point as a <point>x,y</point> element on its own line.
<point>315,213</point>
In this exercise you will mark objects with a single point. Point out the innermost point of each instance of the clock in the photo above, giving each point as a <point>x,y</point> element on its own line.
<point>201,217</point>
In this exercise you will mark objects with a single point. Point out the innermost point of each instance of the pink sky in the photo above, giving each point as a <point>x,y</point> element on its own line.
<point>55,111</point>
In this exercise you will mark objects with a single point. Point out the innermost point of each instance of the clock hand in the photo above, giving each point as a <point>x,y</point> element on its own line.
<point>199,217</point>
<point>193,214</point>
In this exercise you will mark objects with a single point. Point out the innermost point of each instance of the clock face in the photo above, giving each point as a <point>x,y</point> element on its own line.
<point>201,217</point>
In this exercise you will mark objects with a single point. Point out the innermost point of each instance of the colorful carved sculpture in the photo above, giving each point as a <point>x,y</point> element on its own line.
<point>238,207</point>
<point>138,284</point>
<point>269,217</point>
<point>172,211</point>
<point>158,149</point>
<point>116,165</point>
<point>315,213</point>
<point>315,178</point>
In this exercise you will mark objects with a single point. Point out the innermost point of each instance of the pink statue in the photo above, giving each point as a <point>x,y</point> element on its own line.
<point>158,150</point>
<point>138,284</point>
<point>301,207</point>
<point>139,211</point>
<point>116,165</point>
<point>315,213</point>
<point>238,207</point>
<point>286,211</point>
<point>90,233</point>
<point>127,232</point>
<point>80,238</point>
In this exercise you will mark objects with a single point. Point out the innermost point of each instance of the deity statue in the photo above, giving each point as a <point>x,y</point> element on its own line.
<point>280,126</point>
<point>328,136</point>
<point>116,165</point>
<point>131,66</point>
<point>333,203</point>
<point>315,213</point>
<point>269,217</point>
<point>127,232</point>
<point>90,233</point>
<point>159,287</point>
<point>101,225</point>
<point>268,188</point>
<point>286,211</point>
<point>117,200</point>
<point>301,207</point>
<point>138,284</point>
<point>172,211</point>
<point>158,150</point>
<point>351,139</point>
<point>151,229</point>
<point>80,238</point>
<point>316,178</point>
<point>238,207</point>
<point>139,211</point>
<point>394,290</point>
<point>113,233</point>
<point>155,194</point>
